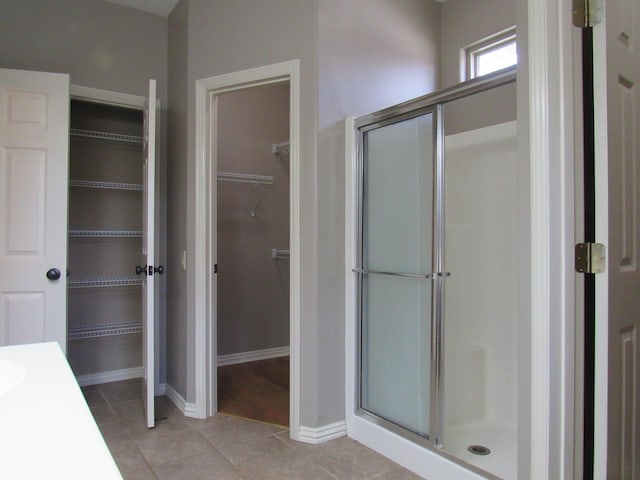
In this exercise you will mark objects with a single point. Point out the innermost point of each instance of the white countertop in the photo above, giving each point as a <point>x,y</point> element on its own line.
<point>46,428</point>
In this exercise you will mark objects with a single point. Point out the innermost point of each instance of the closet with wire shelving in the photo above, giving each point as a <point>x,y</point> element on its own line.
<point>104,298</point>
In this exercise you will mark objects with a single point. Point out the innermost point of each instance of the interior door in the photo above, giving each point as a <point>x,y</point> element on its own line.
<point>148,250</point>
<point>617,156</point>
<point>34,152</point>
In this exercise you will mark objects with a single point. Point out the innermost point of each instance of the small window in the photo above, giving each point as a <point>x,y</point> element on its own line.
<point>491,54</point>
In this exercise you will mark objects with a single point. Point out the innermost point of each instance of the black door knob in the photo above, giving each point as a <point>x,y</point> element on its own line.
<point>53,274</point>
<point>141,270</point>
<point>159,270</point>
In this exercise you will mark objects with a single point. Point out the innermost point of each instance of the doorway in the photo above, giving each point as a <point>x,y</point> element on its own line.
<point>208,92</point>
<point>252,228</point>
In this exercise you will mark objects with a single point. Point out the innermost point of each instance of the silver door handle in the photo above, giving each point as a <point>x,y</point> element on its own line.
<point>428,276</point>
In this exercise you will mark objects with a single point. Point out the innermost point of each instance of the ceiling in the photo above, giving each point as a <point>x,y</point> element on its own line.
<point>159,7</point>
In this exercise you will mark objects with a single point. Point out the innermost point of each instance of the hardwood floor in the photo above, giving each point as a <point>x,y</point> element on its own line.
<point>256,390</point>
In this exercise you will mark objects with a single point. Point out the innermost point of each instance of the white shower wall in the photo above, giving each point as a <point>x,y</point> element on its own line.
<point>481,294</point>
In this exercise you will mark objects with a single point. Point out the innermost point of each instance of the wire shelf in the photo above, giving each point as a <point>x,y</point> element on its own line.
<point>245,178</point>
<point>104,330</point>
<point>105,233</point>
<point>117,137</point>
<point>106,185</point>
<point>105,282</point>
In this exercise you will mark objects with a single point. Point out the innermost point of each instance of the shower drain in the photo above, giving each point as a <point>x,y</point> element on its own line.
<point>479,449</point>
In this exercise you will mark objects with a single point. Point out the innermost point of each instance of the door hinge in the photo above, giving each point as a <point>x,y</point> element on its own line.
<point>590,258</point>
<point>587,13</point>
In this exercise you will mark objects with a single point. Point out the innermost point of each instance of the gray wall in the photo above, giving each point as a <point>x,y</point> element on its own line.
<point>350,54</point>
<point>101,45</point>
<point>372,54</point>
<point>178,105</point>
<point>253,288</point>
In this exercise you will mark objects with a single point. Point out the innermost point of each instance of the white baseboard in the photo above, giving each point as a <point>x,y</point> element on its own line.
<point>186,408</point>
<point>110,376</point>
<point>323,433</point>
<point>253,356</point>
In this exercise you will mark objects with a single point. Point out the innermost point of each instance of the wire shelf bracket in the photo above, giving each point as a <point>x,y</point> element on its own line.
<point>280,254</point>
<point>281,149</point>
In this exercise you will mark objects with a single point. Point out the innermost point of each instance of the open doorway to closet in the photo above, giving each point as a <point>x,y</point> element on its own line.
<point>252,238</point>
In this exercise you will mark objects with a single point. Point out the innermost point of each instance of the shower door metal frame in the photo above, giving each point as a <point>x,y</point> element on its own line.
<point>431,103</point>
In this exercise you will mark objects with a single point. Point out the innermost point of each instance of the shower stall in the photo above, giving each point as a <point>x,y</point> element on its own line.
<point>432,277</point>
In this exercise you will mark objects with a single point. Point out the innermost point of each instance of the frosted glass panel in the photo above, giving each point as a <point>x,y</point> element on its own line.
<point>396,311</point>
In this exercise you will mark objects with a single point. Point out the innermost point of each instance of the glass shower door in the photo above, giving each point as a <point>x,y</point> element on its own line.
<point>395,278</point>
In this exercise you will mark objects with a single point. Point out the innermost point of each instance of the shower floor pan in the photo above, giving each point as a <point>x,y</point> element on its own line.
<point>499,438</point>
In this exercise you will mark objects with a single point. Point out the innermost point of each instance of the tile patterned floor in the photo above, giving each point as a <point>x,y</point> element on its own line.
<point>221,447</point>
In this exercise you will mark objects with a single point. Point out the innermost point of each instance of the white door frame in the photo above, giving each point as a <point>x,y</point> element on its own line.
<point>553,83</point>
<point>135,102</point>
<point>546,332</point>
<point>205,234</point>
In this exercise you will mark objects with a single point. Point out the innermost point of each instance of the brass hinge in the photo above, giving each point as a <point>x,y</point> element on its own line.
<point>587,13</point>
<point>590,258</point>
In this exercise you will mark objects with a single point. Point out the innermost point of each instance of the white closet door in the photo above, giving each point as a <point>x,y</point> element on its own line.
<point>148,250</point>
<point>617,79</point>
<point>34,153</point>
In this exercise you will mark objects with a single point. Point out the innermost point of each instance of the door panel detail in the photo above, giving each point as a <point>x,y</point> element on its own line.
<point>628,180</point>
<point>26,109</point>
<point>25,186</point>
<point>22,319</point>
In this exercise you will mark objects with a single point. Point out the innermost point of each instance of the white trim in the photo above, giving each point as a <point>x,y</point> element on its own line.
<point>324,433</point>
<point>252,356</point>
<point>110,376</point>
<point>551,151</point>
<point>205,249</point>
<point>117,99</point>
<point>187,409</point>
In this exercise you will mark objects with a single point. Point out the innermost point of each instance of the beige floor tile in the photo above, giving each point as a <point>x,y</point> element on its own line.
<point>93,396</point>
<point>169,418</point>
<point>284,465</point>
<point>239,440</point>
<point>162,447</point>
<point>103,414</point>
<point>347,459</point>
<point>202,423</point>
<point>127,456</point>
<point>141,474</point>
<point>122,391</point>
<point>209,465</point>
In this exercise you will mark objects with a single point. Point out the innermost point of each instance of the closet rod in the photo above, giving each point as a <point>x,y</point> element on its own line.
<point>245,178</point>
